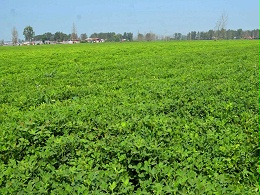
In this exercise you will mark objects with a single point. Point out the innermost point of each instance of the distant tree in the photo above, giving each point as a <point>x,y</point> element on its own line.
<point>118,37</point>
<point>94,35</point>
<point>103,36</point>
<point>189,36</point>
<point>38,37</point>
<point>177,36</point>
<point>60,36</point>
<point>193,35</point>
<point>28,33</point>
<point>124,35</point>
<point>255,33</point>
<point>83,37</point>
<point>150,36</point>
<point>211,34</point>
<point>246,34</point>
<point>2,42</point>
<point>57,36</point>
<point>239,33</point>
<point>128,36</point>
<point>140,37</point>
<point>48,36</point>
<point>14,36</point>
<point>230,34</point>
<point>203,35</point>
<point>197,36</point>
<point>109,36</point>
<point>74,35</point>
<point>220,28</point>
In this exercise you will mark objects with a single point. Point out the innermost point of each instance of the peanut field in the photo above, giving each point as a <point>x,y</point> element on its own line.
<point>130,118</point>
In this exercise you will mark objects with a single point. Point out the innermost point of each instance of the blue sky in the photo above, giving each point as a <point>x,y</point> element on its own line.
<point>163,17</point>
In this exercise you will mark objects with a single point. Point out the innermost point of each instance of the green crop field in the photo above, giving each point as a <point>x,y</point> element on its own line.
<point>130,118</point>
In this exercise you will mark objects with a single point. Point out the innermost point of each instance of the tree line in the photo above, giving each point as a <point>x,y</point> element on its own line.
<point>202,35</point>
<point>218,33</point>
<point>116,37</point>
<point>224,34</point>
<point>113,37</point>
<point>29,35</point>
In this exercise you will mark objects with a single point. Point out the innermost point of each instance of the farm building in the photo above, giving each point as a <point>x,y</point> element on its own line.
<point>95,40</point>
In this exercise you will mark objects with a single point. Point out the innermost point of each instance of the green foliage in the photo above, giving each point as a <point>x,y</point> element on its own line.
<point>143,118</point>
<point>28,33</point>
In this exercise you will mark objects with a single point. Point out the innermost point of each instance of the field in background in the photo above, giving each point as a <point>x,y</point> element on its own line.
<point>150,118</point>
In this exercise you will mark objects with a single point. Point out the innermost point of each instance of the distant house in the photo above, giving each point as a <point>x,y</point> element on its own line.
<point>27,43</point>
<point>6,43</point>
<point>95,40</point>
<point>38,43</point>
<point>73,41</point>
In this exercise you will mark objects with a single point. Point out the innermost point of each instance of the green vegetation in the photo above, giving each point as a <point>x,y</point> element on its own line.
<point>124,118</point>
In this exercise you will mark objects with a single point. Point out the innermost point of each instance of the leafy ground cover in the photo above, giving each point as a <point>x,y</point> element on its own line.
<point>130,118</point>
